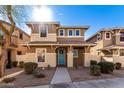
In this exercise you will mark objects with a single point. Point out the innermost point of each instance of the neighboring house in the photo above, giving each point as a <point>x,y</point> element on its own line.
<point>18,37</point>
<point>109,44</point>
<point>56,45</point>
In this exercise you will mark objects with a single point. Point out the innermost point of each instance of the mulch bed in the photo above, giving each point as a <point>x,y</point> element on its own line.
<point>83,74</point>
<point>28,80</point>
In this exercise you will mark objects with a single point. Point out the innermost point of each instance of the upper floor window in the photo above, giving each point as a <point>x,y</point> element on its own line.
<point>121,36</point>
<point>20,36</point>
<point>98,36</point>
<point>107,35</point>
<point>43,31</point>
<point>61,32</point>
<point>70,32</point>
<point>77,32</point>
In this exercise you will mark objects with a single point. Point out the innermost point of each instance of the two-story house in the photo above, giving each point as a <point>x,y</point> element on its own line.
<point>109,44</point>
<point>18,37</point>
<point>56,45</point>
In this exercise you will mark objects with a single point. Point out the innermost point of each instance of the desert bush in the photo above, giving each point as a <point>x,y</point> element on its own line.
<point>39,75</point>
<point>30,67</point>
<point>95,70</point>
<point>106,67</point>
<point>118,66</point>
<point>14,63</point>
<point>48,67</point>
<point>9,80</point>
<point>93,62</point>
<point>21,64</point>
<point>8,66</point>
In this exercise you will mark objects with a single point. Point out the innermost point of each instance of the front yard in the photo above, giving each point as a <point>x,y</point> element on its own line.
<point>83,74</point>
<point>27,80</point>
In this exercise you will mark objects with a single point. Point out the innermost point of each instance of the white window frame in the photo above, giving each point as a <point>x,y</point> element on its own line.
<point>79,32</point>
<point>40,31</point>
<point>97,36</point>
<point>77,53</point>
<point>106,35</point>
<point>37,55</point>
<point>63,32</point>
<point>72,32</point>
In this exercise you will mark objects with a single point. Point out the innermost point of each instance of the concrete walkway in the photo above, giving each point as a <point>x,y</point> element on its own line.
<point>61,76</point>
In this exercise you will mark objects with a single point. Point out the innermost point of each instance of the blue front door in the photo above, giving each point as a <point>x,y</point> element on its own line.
<point>61,56</point>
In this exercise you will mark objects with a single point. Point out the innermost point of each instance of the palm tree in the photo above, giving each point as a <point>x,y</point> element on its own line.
<point>11,14</point>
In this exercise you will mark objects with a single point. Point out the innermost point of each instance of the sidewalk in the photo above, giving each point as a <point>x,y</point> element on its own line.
<point>61,76</point>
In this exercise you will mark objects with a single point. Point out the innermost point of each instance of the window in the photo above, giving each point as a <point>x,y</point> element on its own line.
<point>77,32</point>
<point>122,52</point>
<point>19,53</point>
<point>75,53</point>
<point>121,36</point>
<point>98,36</point>
<point>20,35</point>
<point>40,55</point>
<point>61,32</point>
<point>49,26</point>
<point>70,32</point>
<point>107,35</point>
<point>43,30</point>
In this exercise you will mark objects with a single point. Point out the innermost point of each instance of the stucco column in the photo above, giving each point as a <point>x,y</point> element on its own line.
<point>70,57</point>
<point>87,58</point>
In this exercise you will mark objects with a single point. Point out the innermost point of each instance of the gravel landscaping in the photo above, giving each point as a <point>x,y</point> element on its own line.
<point>83,74</point>
<point>28,80</point>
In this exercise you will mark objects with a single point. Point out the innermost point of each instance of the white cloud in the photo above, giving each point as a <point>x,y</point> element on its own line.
<point>42,13</point>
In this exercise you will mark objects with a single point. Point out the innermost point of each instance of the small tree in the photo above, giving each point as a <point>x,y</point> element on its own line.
<point>11,14</point>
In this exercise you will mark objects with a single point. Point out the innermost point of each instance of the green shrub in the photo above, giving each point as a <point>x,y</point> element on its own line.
<point>95,70</point>
<point>48,67</point>
<point>9,80</point>
<point>118,66</point>
<point>30,67</point>
<point>14,63</point>
<point>93,62</point>
<point>106,67</point>
<point>8,66</point>
<point>21,64</point>
<point>39,75</point>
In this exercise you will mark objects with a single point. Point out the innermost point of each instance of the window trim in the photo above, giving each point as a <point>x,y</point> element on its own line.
<point>106,35</point>
<point>63,32</point>
<point>120,38</point>
<point>79,33</point>
<point>37,55</point>
<point>46,31</point>
<point>97,36</point>
<point>72,32</point>
<point>77,53</point>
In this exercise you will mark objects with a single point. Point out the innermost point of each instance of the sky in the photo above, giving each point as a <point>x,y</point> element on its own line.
<point>95,16</point>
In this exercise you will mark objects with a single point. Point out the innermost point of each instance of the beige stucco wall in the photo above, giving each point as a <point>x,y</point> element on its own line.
<point>119,59</point>
<point>31,57</point>
<point>50,37</point>
<point>88,57</point>
<point>94,50</point>
<point>70,59</point>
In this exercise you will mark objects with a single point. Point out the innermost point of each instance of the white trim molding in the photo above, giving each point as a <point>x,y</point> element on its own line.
<point>79,32</point>
<point>72,32</point>
<point>109,36</point>
<point>99,36</point>
<point>37,55</point>
<point>46,31</point>
<point>63,32</point>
